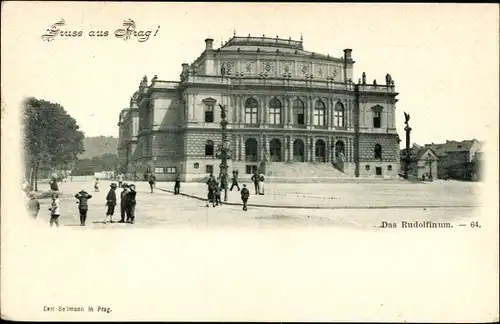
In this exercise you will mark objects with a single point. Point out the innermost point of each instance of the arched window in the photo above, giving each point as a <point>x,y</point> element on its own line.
<point>338,115</point>
<point>209,148</point>
<point>319,113</point>
<point>378,151</point>
<point>298,112</point>
<point>274,111</point>
<point>251,111</point>
<point>275,150</point>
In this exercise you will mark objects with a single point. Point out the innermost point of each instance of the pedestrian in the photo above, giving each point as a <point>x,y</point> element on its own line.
<point>256,179</point>
<point>111,203</point>
<point>152,181</point>
<point>120,180</point>
<point>96,185</point>
<point>54,208</point>
<point>130,204</point>
<point>177,186</point>
<point>261,184</point>
<point>123,206</point>
<point>245,194</point>
<point>33,205</point>
<point>83,206</point>
<point>54,186</point>
<point>211,189</point>
<point>217,191</point>
<point>235,181</point>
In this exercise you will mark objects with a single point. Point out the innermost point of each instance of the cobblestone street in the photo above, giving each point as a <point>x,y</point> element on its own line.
<point>353,205</point>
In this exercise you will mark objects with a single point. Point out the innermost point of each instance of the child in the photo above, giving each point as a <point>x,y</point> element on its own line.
<point>245,194</point>
<point>152,181</point>
<point>217,194</point>
<point>111,203</point>
<point>33,205</point>
<point>54,210</point>
<point>83,206</point>
<point>96,185</point>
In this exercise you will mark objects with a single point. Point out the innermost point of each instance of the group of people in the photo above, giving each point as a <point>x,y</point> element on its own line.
<point>215,187</point>
<point>127,203</point>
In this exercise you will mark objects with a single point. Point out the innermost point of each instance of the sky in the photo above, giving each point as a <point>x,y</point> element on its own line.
<point>443,57</point>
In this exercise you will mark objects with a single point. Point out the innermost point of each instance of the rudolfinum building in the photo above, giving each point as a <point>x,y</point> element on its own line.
<point>291,113</point>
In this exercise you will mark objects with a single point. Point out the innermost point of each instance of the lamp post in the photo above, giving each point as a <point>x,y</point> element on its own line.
<point>224,149</point>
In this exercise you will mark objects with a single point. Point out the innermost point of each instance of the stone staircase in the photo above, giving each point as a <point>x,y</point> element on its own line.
<point>298,170</point>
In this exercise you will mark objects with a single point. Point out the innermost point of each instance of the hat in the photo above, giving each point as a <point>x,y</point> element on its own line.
<point>113,185</point>
<point>244,185</point>
<point>124,185</point>
<point>132,186</point>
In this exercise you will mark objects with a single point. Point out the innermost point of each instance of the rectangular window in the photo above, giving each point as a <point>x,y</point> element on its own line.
<point>251,115</point>
<point>298,116</point>
<point>159,170</point>
<point>209,169</point>
<point>378,171</point>
<point>274,115</point>
<point>251,169</point>
<point>171,170</point>
<point>376,119</point>
<point>209,113</point>
<point>319,117</point>
<point>338,118</point>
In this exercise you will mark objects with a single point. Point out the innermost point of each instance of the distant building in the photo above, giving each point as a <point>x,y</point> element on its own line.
<point>423,162</point>
<point>457,160</point>
<point>286,106</point>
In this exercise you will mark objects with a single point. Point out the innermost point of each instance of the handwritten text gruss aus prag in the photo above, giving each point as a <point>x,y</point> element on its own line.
<point>128,32</point>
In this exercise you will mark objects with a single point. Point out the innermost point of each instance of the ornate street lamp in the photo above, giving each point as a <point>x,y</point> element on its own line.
<point>224,149</point>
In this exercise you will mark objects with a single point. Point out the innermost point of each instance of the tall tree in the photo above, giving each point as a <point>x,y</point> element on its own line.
<point>52,138</point>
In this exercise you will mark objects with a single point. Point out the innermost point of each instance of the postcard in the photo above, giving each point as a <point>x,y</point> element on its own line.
<point>249,162</point>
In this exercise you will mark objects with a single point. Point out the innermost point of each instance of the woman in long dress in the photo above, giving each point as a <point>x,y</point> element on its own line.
<point>261,184</point>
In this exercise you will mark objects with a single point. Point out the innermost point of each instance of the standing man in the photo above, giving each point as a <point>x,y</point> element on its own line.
<point>256,179</point>
<point>83,206</point>
<point>152,181</point>
<point>111,203</point>
<point>130,203</point>
<point>235,181</point>
<point>123,206</point>
<point>245,194</point>
<point>177,186</point>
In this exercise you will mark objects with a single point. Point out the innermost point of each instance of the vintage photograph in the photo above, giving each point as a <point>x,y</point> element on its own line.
<point>354,141</point>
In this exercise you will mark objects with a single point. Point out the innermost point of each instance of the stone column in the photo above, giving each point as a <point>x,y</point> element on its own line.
<point>290,148</point>
<point>289,113</point>
<point>311,111</point>
<point>328,121</point>
<point>241,151</point>
<point>285,148</point>
<point>259,147</point>
<point>284,111</point>
<point>328,152</point>
<point>265,110</point>
<point>260,118</point>
<point>241,109</point>
<point>313,149</point>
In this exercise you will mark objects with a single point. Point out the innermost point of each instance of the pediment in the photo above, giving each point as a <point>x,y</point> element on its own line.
<point>209,101</point>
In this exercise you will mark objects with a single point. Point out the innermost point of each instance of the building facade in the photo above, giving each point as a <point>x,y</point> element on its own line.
<point>423,163</point>
<point>458,159</point>
<point>285,105</point>
<point>128,126</point>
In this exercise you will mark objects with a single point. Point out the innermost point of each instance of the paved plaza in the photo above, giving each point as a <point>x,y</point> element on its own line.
<point>353,205</point>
